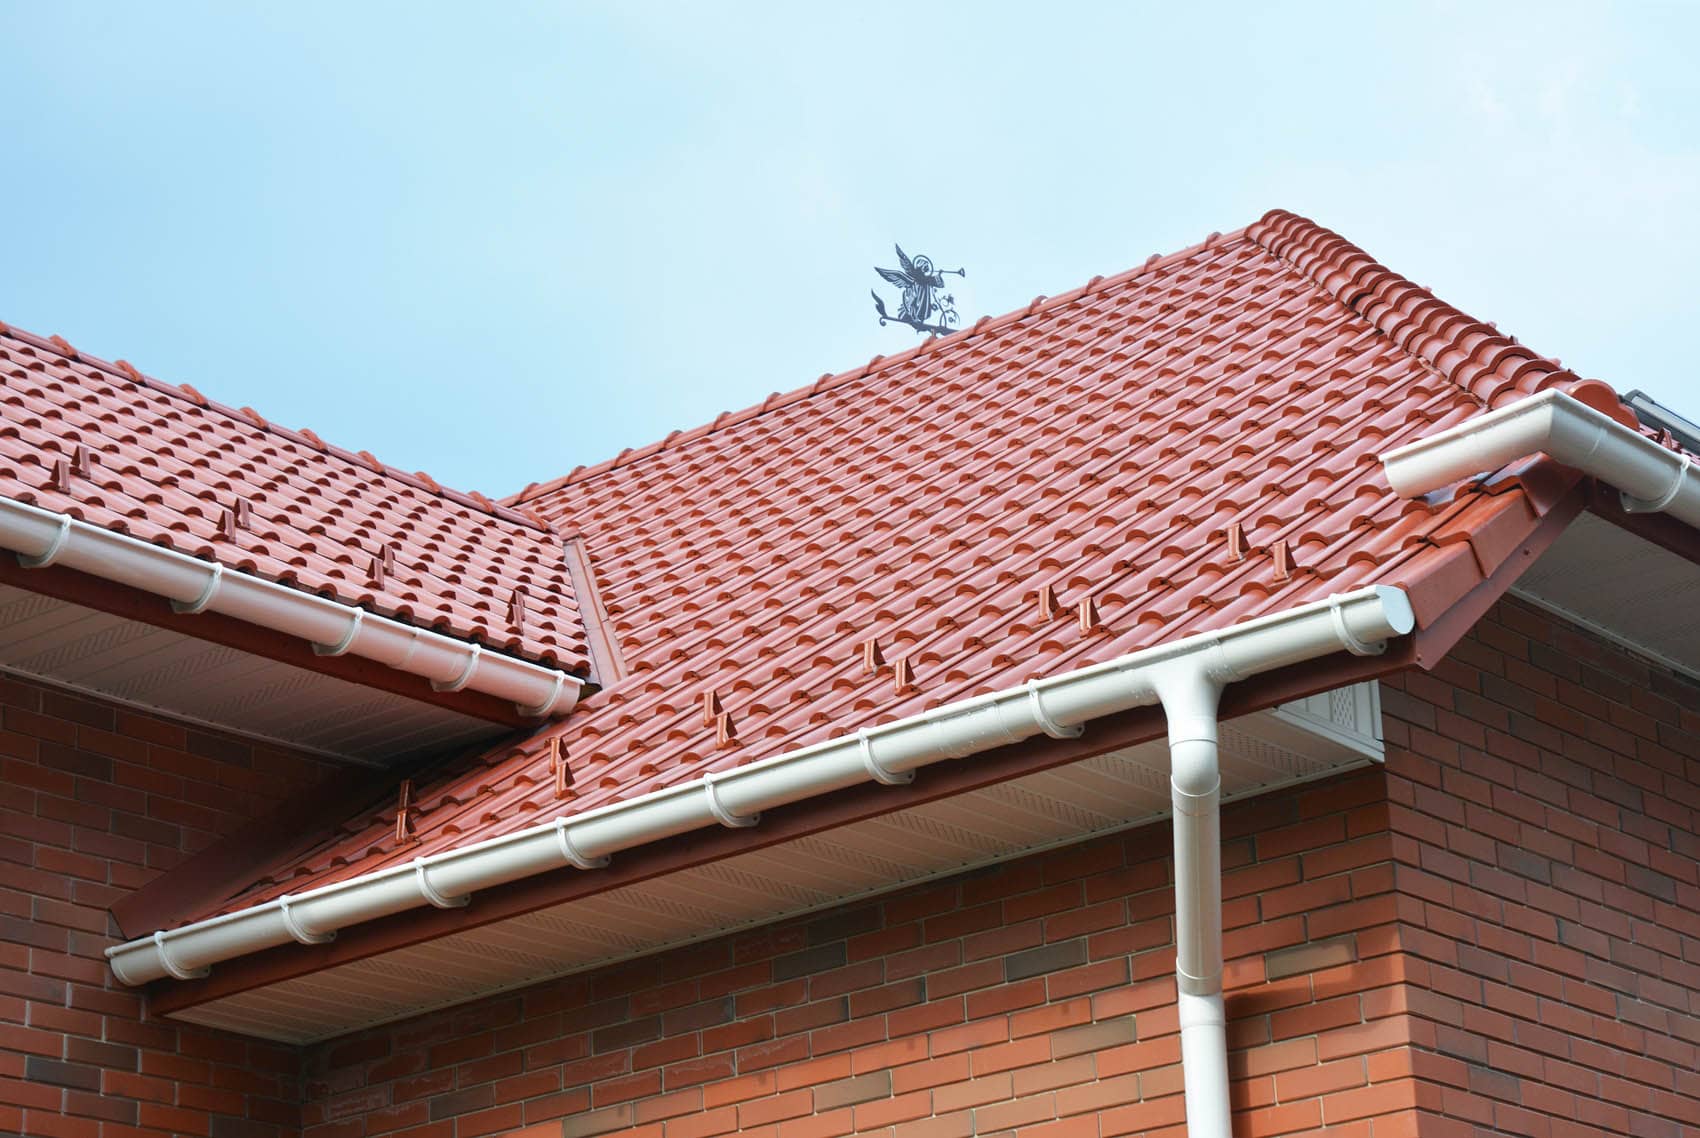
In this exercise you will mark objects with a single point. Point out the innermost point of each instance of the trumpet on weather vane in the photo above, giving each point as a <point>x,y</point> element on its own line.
<point>921,285</point>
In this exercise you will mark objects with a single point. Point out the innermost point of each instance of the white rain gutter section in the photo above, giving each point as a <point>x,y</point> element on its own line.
<point>1650,478</point>
<point>41,538</point>
<point>1186,677</point>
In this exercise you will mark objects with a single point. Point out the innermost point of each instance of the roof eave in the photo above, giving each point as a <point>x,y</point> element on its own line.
<point>1360,622</point>
<point>42,538</point>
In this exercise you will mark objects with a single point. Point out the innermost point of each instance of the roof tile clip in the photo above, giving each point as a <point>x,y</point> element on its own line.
<point>383,564</point>
<point>559,767</point>
<point>1236,541</point>
<point>1087,612</point>
<point>903,675</point>
<point>1047,602</point>
<point>404,812</point>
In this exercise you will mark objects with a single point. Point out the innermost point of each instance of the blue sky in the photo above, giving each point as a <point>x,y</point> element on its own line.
<point>495,241</point>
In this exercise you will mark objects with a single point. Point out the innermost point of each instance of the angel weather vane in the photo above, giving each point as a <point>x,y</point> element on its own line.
<point>921,285</point>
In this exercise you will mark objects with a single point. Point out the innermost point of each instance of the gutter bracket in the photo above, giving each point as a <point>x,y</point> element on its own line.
<point>711,788</point>
<point>1633,505</point>
<point>172,968</point>
<point>51,554</point>
<point>876,771</point>
<point>538,710</point>
<point>569,849</point>
<point>1036,707</point>
<point>301,935</point>
<point>208,592</point>
<point>465,676</point>
<point>1349,639</point>
<point>429,891</point>
<point>347,640</point>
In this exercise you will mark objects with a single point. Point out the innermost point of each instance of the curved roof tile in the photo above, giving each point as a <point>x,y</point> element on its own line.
<point>1179,447</point>
<point>110,446</point>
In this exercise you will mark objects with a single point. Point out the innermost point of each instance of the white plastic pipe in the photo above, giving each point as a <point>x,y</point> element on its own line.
<point>41,538</point>
<point>1650,478</point>
<point>1190,698</point>
<point>1360,622</point>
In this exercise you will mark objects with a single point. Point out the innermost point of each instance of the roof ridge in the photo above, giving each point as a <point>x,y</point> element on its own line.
<point>1487,363</point>
<point>247,416</point>
<point>829,381</point>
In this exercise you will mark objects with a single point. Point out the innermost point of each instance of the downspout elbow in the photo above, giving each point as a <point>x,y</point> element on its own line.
<point>1190,697</point>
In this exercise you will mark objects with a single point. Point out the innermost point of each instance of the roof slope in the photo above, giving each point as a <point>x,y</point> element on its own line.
<point>1181,447</point>
<point>111,447</point>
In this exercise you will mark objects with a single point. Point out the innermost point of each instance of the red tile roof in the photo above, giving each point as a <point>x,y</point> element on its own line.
<point>1180,447</point>
<point>107,445</point>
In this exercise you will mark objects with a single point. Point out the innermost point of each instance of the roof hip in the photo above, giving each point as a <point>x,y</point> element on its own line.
<point>1485,362</point>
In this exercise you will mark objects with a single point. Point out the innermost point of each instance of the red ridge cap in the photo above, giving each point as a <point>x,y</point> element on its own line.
<point>1490,365</point>
<point>247,416</point>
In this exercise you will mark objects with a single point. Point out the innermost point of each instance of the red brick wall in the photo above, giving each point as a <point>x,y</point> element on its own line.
<point>98,800</point>
<point>1035,998</point>
<point>1545,794</point>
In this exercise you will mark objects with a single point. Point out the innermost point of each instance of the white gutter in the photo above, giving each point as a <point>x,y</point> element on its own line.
<point>1650,478</point>
<point>41,538</point>
<point>1186,677</point>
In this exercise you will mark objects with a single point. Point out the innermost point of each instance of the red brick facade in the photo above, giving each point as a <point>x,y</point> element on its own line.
<point>98,801</point>
<point>1498,931</point>
<point>1545,791</point>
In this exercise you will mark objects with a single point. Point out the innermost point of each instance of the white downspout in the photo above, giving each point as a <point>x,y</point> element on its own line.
<point>1190,696</point>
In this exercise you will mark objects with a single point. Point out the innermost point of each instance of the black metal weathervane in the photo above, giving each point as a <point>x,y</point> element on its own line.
<point>921,285</point>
